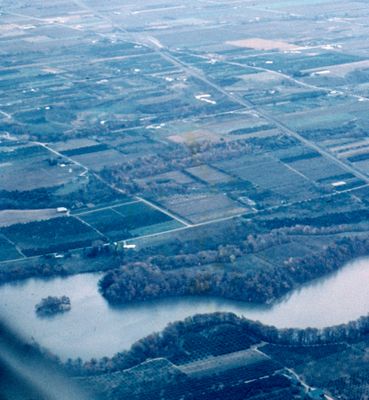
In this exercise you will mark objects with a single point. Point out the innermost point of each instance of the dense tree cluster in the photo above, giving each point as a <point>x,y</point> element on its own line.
<point>141,281</point>
<point>330,259</point>
<point>52,305</point>
<point>162,276</point>
<point>41,268</point>
<point>91,191</point>
<point>127,175</point>
<point>222,253</point>
<point>172,342</point>
<point>321,230</point>
<point>328,220</point>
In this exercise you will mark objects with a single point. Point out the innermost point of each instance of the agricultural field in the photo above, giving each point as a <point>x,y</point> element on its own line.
<point>55,235</point>
<point>215,141</point>
<point>203,207</point>
<point>209,175</point>
<point>11,217</point>
<point>28,167</point>
<point>73,145</point>
<point>222,363</point>
<point>238,125</point>
<point>272,175</point>
<point>281,253</point>
<point>98,158</point>
<point>108,222</point>
<point>173,176</point>
<point>8,250</point>
<point>217,97</point>
<point>81,192</point>
<point>129,220</point>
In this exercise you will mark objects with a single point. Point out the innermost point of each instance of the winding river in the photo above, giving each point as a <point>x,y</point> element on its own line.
<point>94,329</point>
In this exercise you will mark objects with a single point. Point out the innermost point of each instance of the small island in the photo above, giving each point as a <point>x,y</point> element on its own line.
<point>52,305</point>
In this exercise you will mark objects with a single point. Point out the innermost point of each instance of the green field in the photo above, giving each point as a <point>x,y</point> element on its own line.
<point>55,235</point>
<point>129,220</point>
<point>108,222</point>
<point>7,250</point>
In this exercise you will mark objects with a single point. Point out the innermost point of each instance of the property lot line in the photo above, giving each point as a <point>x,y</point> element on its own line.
<point>105,208</point>
<point>178,219</point>
<point>147,202</point>
<point>16,247</point>
<point>298,173</point>
<point>153,10</point>
<point>292,203</point>
<point>151,235</point>
<point>137,238</point>
<point>57,64</point>
<point>277,206</point>
<point>118,213</point>
<point>90,226</point>
<point>6,114</point>
<point>116,58</point>
<point>211,365</point>
<point>249,105</point>
<point>222,219</point>
<point>188,226</point>
<point>310,144</point>
<point>47,147</point>
<point>301,83</point>
<point>303,383</point>
<point>278,12</point>
<point>313,146</point>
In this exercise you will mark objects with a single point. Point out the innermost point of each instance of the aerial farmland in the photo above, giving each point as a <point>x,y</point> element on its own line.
<point>202,164</point>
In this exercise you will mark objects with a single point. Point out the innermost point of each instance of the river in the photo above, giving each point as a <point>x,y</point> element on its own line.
<point>94,329</point>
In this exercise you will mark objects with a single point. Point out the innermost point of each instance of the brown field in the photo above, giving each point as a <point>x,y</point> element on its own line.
<point>199,135</point>
<point>28,176</point>
<point>353,152</point>
<point>11,217</point>
<point>342,70</point>
<point>97,161</point>
<point>263,44</point>
<point>74,144</point>
<point>202,207</point>
<point>349,146</point>
<point>209,174</point>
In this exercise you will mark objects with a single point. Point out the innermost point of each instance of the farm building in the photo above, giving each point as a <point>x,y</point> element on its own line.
<point>62,210</point>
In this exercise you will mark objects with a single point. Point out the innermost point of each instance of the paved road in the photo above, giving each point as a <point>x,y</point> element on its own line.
<point>156,46</point>
<point>249,105</point>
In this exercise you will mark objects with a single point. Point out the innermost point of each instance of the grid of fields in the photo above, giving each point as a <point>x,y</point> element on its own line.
<point>129,220</point>
<point>198,129</point>
<point>28,167</point>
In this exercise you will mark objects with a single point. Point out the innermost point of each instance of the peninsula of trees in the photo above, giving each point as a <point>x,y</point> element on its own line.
<point>192,274</point>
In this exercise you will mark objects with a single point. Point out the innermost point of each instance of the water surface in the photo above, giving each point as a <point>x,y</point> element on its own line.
<point>94,329</point>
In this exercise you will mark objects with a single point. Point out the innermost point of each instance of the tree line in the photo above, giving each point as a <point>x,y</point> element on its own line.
<point>169,342</point>
<point>190,274</point>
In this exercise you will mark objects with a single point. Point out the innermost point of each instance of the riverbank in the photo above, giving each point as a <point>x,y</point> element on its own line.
<point>115,328</point>
<point>50,266</point>
<point>146,281</point>
<point>221,333</point>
